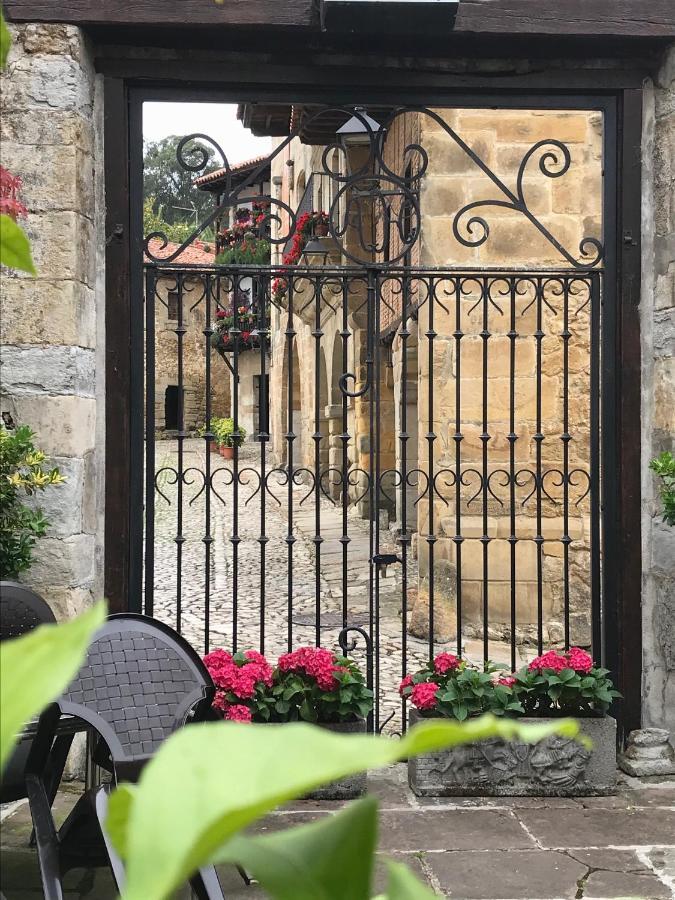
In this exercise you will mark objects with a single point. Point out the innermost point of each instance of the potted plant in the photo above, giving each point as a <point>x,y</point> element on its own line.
<point>320,224</point>
<point>243,682</point>
<point>212,443</point>
<point>227,436</point>
<point>553,685</point>
<point>313,684</point>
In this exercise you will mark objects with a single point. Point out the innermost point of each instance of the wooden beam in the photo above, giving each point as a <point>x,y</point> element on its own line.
<point>163,13</point>
<point>628,18</point>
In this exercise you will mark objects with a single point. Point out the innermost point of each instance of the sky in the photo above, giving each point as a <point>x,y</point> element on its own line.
<point>218,120</point>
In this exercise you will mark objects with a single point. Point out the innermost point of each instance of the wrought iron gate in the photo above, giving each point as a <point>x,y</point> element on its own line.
<point>426,470</point>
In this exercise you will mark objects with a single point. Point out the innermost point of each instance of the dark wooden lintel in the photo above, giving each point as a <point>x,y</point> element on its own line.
<point>639,18</point>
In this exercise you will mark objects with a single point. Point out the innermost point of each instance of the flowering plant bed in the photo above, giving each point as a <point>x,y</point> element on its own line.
<point>242,683</point>
<point>552,685</point>
<point>312,684</point>
<point>565,684</point>
<point>452,688</point>
<point>308,225</point>
<point>243,319</point>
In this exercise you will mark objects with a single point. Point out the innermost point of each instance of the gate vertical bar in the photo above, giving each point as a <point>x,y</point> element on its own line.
<point>566,438</point>
<point>512,438</point>
<point>290,439</point>
<point>260,301</point>
<point>457,438</point>
<point>180,537</point>
<point>316,437</point>
<point>149,558</point>
<point>403,437</point>
<point>344,438</point>
<point>376,448</point>
<point>538,438</point>
<point>485,440</point>
<point>371,303</point>
<point>235,540</point>
<point>431,437</point>
<point>597,644</point>
<point>208,537</point>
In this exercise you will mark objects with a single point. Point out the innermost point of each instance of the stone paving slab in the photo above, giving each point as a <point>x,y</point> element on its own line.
<point>465,848</point>
<point>554,828</point>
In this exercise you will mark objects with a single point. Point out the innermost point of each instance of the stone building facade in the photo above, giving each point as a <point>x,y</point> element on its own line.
<point>570,207</point>
<point>54,338</point>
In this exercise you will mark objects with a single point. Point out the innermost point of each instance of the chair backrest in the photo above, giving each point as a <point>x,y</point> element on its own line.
<point>21,610</point>
<point>138,684</point>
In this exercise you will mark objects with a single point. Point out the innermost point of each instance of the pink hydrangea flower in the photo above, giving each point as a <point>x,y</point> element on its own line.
<point>446,662</point>
<point>506,680</point>
<point>407,681</point>
<point>579,660</point>
<point>423,695</point>
<point>551,660</point>
<point>238,713</point>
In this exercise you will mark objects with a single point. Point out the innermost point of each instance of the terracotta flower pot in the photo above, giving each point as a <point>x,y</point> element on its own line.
<point>213,447</point>
<point>227,452</point>
<point>321,229</point>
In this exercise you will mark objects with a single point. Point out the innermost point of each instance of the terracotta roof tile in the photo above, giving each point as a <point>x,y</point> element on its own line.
<point>240,167</point>
<point>195,254</point>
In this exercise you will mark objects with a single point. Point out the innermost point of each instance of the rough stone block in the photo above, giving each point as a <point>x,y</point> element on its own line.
<point>67,563</point>
<point>554,767</point>
<point>51,81</point>
<point>65,426</point>
<point>445,595</point>
<point>50,370</point>
<point>42,311</point>
<point>62,504</point>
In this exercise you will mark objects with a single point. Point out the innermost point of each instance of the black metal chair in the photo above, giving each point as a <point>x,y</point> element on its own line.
<point>21,610</point>
<point>140,682</point>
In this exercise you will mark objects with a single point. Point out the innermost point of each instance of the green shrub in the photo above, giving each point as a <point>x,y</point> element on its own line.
<point>23,473</point>
<point>664,467</point>
<point>225,434</point>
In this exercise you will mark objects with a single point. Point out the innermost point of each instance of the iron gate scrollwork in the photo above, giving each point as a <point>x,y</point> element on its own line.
<point>455,445</point>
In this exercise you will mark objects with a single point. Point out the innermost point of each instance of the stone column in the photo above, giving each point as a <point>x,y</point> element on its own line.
<point>52,325</point>
<point>658,395</point>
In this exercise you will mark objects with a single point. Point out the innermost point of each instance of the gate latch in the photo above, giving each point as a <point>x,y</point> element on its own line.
<point>382,560</point>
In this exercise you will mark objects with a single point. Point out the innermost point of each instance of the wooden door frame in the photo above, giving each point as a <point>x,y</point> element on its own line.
<point>622,99</point>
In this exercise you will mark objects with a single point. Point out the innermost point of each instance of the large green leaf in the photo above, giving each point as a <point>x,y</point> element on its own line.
<point>209,781</point>
<point>14,246</point>
<point>37,668</point>
<point>403,885</point>
<point>5,41</point>
<point>328,860</point>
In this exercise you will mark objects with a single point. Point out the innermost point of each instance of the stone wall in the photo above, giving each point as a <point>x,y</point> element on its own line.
<point>193,357</point>
<point>658,393</point>
<point>569,207</point>
<point>52,325</point>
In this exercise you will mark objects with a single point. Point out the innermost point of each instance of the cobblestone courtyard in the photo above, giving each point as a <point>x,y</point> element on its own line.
<point>263,605</point>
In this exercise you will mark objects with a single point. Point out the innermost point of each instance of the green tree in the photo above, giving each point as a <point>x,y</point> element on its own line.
<point>176,200</point>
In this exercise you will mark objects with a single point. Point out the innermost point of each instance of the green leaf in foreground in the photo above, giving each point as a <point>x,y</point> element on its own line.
<point>5,41</point>
<point>37,668</point>
<point>180,815</point>
<point>331,859</point>
<point>403,885</point>
<point>14,246</point>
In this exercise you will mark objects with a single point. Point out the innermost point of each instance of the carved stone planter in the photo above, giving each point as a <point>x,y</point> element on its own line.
<point>555,767</point>
<point>353,785</point>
